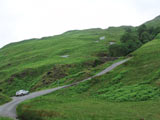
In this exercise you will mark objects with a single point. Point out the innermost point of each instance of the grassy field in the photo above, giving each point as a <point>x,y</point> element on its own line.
<point>27,64</point>
<point>4,118</point>
<point>53,107</point>
<point>129,92</point>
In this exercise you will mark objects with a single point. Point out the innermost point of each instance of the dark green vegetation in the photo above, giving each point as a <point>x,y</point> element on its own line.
<point>129,92</point>
<point>133,39</point>
<point>4,99</point>
<point>4,118</point>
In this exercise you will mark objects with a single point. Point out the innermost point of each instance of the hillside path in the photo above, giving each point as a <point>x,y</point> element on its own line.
<point>9,109</point>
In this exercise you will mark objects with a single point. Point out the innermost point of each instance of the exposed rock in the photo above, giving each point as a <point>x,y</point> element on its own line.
<point>97,41</point>
<point>65,56</point>
<point>102,38</point>
<point>111,43</point>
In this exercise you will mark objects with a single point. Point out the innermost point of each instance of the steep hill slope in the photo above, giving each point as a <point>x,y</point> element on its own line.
<point>36,63</point>
<point>72,56</point>
<point>31,64</point>
<point>154,23</point>
<point>134,88</point>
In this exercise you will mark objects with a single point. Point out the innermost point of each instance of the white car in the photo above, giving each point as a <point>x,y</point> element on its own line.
<point>22,92</point>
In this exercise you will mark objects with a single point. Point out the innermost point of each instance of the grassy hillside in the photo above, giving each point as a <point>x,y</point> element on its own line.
<point>129,92</point>
<point>154,23</point>
<point>4,118</point>
<point>33,64</point>
<point>125,93</point>
<point>36,63</point>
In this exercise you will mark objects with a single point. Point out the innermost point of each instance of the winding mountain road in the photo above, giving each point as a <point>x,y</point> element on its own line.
<point>9,109</point>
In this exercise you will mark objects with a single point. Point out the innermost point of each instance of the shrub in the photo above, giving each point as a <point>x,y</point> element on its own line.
<point>117,50</point>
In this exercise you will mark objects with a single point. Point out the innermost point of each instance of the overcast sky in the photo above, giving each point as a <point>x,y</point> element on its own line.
<point>25,19</point>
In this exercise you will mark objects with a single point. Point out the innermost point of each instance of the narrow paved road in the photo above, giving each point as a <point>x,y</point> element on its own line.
<point>9,109</point>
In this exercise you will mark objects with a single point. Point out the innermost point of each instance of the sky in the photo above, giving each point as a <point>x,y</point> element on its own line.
<point>26,19</point>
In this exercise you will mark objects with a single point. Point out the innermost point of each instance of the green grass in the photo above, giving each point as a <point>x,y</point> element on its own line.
<point>53,107</point>
<point>23,65</point>
<point>135,80</point>
<point>4,99</point>
<point>5,118</point>
<point>154,23</point>
<point>129,92</point>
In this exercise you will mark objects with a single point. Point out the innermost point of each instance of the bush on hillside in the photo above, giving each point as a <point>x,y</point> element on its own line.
<point>145,37</point>
<point>117,50</point>
<point>130,39</point>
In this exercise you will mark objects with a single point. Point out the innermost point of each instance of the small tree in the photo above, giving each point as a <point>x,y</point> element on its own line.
<point>117,50</point>
<point>142,29</point>
<point>131,41</point>
<point>145,37</point>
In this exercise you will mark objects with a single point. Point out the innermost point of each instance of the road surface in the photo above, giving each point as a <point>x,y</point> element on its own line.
<point>9,109</point>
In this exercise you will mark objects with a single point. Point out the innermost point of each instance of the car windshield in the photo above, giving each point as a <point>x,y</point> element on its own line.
<point>21,91</point>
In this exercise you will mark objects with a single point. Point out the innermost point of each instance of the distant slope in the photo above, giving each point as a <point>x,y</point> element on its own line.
<point>154,23</point>
<point>24,65</point>
<point>129,92</point>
